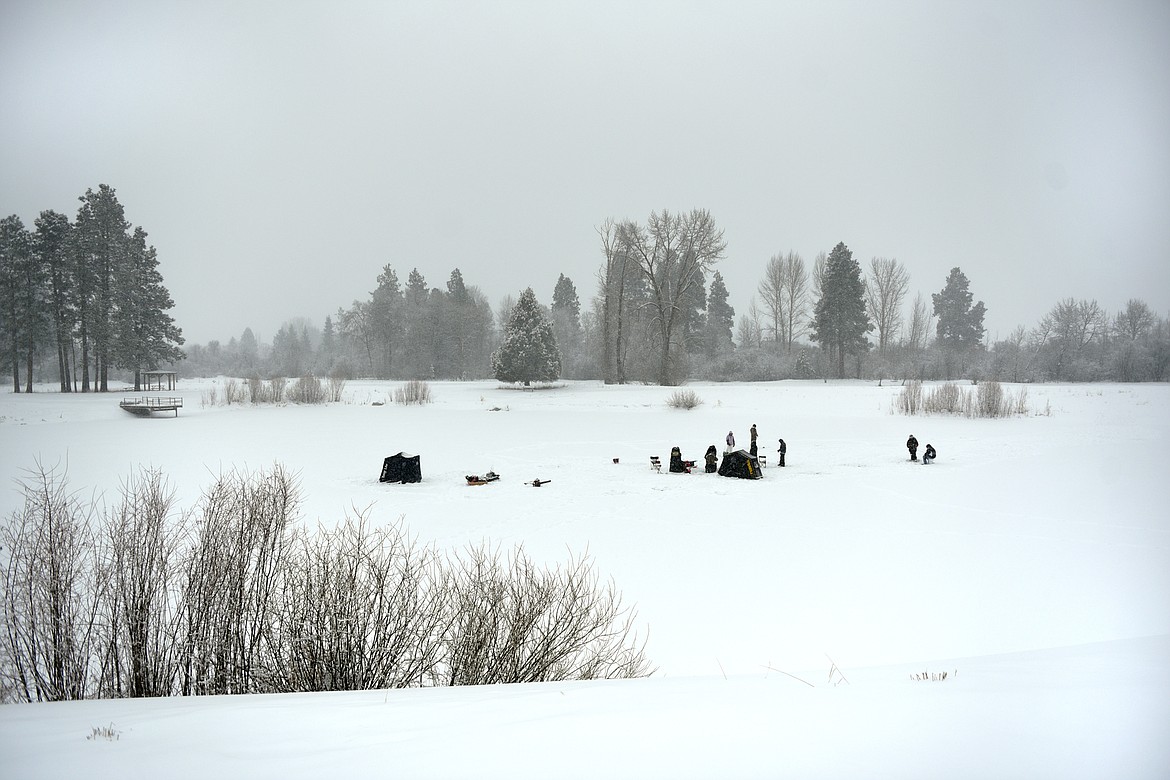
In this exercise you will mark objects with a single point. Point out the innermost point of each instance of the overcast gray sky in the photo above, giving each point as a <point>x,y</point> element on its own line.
<point>280,153</point>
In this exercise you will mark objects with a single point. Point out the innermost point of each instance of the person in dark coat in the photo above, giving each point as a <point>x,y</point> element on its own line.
<point>753,444</point>
<point>929,454</point>
<point>912,445</point>
<point>783,449</point>
<point>677,464</point>
<point>712,459</point>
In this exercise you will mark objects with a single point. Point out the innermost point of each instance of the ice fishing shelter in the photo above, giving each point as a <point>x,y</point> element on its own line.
<point>740,464</point>
<point>401,468</point>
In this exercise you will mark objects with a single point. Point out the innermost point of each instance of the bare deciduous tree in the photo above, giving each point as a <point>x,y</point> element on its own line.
<point>918,337</point>
<point>885,290</point>
<point>673,253</point>
<point>784,291</point>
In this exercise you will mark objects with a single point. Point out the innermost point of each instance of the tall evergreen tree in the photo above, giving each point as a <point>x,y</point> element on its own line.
<point>529,352</point>
<point>418,359</point>
<point>566,319</point>
<point>52,243</point>
<point>386,321</point>
<point>18,300</point>
<point>102,232</point>
<point>327,354</point>
<point>145,335</point>
<point>249,352</point>
<point>960,325</point>
<point>839,320</point>
<point>720,319</point>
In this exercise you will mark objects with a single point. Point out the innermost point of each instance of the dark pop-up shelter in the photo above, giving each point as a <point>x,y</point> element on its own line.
<point>401,468</point>
<point>740,464</point>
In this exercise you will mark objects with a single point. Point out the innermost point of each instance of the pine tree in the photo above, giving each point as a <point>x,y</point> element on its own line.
<point>529,352</point>
<point>102,233</point>
<point>960,325</point>
<point>839,320</point>
<point>144,334</point>
<point>720,318</point>
<point>566,319</point>
<point>386,321</point>
<point>51,241</point>
<point>18,301</point>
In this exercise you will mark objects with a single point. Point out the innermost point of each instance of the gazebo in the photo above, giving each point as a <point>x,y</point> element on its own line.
<point>160,380</point>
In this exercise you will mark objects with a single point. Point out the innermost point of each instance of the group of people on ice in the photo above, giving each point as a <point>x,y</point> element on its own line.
<point>928,455</point>
<point>711,458</point>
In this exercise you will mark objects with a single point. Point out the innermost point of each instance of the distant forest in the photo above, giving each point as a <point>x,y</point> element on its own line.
<point>85,299</point>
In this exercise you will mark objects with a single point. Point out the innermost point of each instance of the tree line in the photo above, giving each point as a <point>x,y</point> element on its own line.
<point>89,295</point>
<point>660,314</point>
<point>85,297</point>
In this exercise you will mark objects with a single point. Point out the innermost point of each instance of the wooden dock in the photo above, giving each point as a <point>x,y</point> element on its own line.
<point>144,406</point>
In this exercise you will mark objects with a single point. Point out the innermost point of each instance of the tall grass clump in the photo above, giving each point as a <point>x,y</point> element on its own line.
<point>684,399</point>
<point>987,399</point>
<point>910,399</point>
<point>307,390</point>
<point>413,392</point>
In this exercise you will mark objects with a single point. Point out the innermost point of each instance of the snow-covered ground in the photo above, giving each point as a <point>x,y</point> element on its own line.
<point>1031,563</point>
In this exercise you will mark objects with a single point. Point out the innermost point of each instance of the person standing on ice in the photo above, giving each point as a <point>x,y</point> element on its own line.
<point>730,441</point>
<point>753,444</point>
<point>912,445</point>
<point>782,449</point>
<point>929,455</point>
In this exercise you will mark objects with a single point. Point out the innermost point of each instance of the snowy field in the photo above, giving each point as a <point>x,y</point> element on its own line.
<point>787,616</point>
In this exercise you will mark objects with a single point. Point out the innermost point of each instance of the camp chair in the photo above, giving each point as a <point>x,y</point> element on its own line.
<point>763,461</point>
<point>655,464</point>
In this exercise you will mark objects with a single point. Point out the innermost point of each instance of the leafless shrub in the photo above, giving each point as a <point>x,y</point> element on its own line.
<point>233,599</point>
<point>933,676</point>
<point>141,597</point>
<point>336,388</point>
<point>307,390</point>
<point>278,385</point>
<point>233,392</point>
<point>413,392</point>
<point>684,399</point>
<point>51,580</point>
<point>513,621</point>
<point>233,573</point>
<point>361,608</point>
<point>258,391</point>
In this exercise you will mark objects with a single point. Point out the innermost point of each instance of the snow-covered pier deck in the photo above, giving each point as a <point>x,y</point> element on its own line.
<point>144,406</point>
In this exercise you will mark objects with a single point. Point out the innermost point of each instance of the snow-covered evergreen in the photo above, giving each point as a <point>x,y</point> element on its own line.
<point>529,352</point>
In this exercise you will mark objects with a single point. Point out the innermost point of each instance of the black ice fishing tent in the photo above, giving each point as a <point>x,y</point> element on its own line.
<point>401,468</point>
<point>740,464</point>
